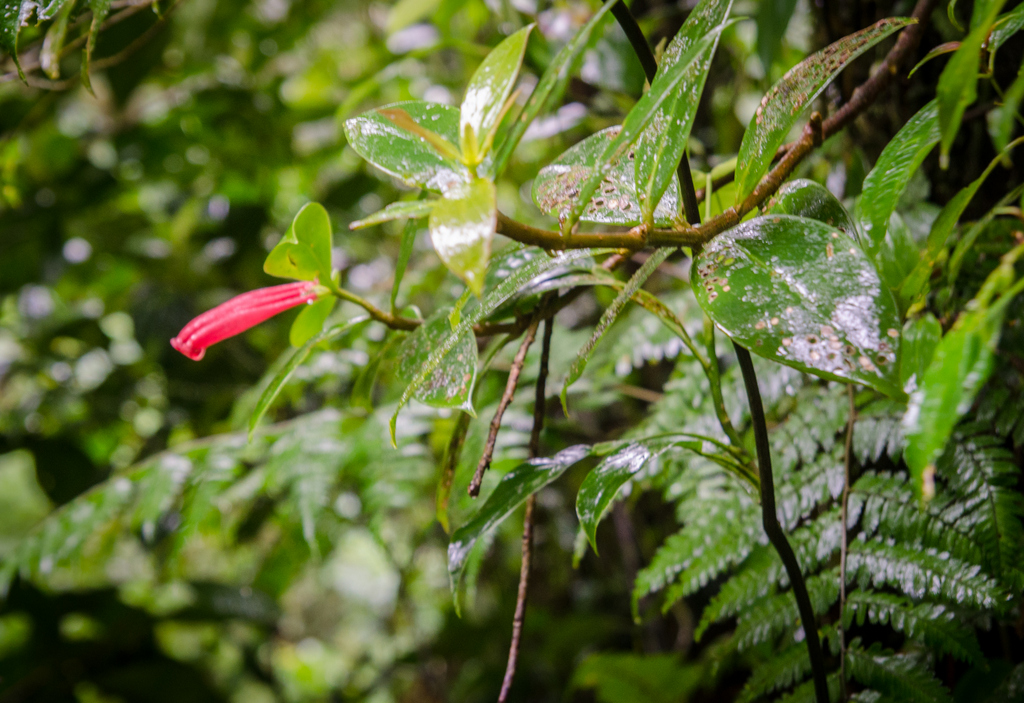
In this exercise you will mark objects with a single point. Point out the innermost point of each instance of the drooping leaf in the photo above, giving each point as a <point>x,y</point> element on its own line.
<point>804,294</point>
<point>609,316</point>
<point>513,490</point>
<point>296,359</point>
<point>661,146</point>
<point>396,211</point>
<point>552,84</point>
<point>304,253</point>
<point>1005,27</point>
<point>451,383</point>
<point>900,160</point>
<point>100,9</point>
<point>557,186</point>
<point>783,104</point>
<point>462,225</point>
<point>602,484</point>
<point>490,302</point>
<point>958,84</point>
<point>404,155</point>
<point>487,93</point>
<point>310,321</point>
<point>404,254</point>
<point>806,198</point>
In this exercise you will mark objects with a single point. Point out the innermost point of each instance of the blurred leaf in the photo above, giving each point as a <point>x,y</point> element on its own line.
<point>100,9</point>
<point>661,146</point>
<point>406,12</point>
<point>310,321</point>
<point>552,84</point>
<point>451,383</point>
<point>772,23</point>
<point>920,338</point>
<point>53,43</point>
<point>959,368</point>
<point>282,376</point>
<point>404,253</point>
<point>638,678</point>
<point>783,104</point>
<point>1003,118</point>
<point>804,294</point>
<point>487,94</point>
<point>1005,27</point>
<point>805,198</point>
<point>557,186</point>
<point>304,253</point>
<point>462,226</point>
<point>896,258</point>
<point>886,182</point>
<point>513,490</point>
<point>609,316</point>
<point>958,84</point>
<point>405,155</point>
<point>396,211</point>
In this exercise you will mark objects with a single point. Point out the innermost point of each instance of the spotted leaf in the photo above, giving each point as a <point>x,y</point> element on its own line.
<point>451,383</point>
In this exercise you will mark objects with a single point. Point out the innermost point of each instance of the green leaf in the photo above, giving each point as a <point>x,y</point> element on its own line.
<point>552,84</point>
<point>958,84</point>
<point>662,93</point>
<point>896,676</point>
<point>806,198</point>
<point>282,376</point>
<point>783,104</point>
<point>487,93</point>
<point>896,258</point>
<point>451,383</point>
<point>920,338</point>
<point>772,22</point>
<point>557,186</point>
<point>404,254</point>
<point>804,294</point>
<point>660,148</point>
<point>490,302</point>
<point>608,317</point>
<point>53,43</point>
<point>1005,27</point>
<point>618,677</point>
<point>900,160</point>
<point>462,226</point>
<point>100,9</point>
<point>405,155</point>
<point>603,483</point>
<point>310,321</point>
<point>14,15</point>
<point>396,211</point>
<point>959,368</point>
<point>304,253</point>
<point>513,490</point>
<point>1003,118</point>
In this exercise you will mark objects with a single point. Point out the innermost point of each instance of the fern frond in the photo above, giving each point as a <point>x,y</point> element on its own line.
<point>923,573</point>
<point>801,492</point>
<point>877,431</point>
<point>931,623</point>
<point>804,693</point>
<point>813,426</point>
<point>769,618</point>
<point>788,667</point>
<point>897,677</point>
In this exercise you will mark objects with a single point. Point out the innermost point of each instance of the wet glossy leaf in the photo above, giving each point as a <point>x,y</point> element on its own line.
<point>513,490</point>
<point>552,84</point>
<point>958,84</point>
<point>804,294</point>
<point>959,368</point>
<point>806,198</point>
<point>310,321</point>
<point>557,186</point>
<point>451,383</point>
<point>783,104</point>
<point>1006,26</point>
<point>404,155</point>
<point>920,338</point>
<point>462,226</point>
<point>900,159</point>
<point>609,316</point>
<point>620,146</point>
<point>304,253</point>
<point>396,211</point>
<point>660,148</point>
<point>296,359</point>
<point>487,93</point>
<point>897,256</point>
<point>490,302</point>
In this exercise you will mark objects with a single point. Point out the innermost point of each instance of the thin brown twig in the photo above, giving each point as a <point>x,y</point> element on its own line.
<point>843,545</point>
<point>506,399</point>
<point>539,412</point>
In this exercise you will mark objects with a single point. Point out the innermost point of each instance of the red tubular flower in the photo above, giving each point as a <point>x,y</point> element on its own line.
<point>239,314</point>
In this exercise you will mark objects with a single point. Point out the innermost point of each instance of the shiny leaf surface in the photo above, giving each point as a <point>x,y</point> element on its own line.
<point>451,383</point>
<point>462,225</point>
<point>804,294</point>
<point>806,198</point>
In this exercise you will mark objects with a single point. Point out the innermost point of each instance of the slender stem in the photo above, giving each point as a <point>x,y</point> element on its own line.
<point>844,545</point>
<point>774,530</point>
<point>506,399</point>
<point>392,321</point>
<point>715,380</point>
<point>539,408</point>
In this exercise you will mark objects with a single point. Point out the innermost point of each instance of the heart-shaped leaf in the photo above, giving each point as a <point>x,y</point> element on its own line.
<point>304,253</point>
<point>802,293</point>
<point>462,226</point>
<point>451,383</point>
<point>487,93</point>
<point>557,186</point>
<point>404,155</point>
<point>782,105</point>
